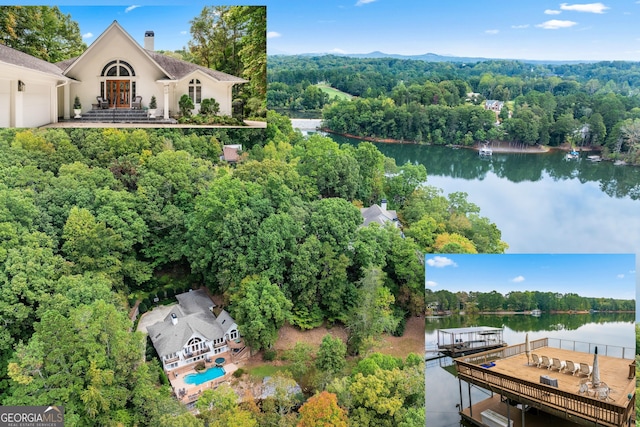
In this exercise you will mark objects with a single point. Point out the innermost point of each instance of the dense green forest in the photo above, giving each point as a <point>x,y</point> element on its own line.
<point>520,301</point>
<point>95,219</point>
<point>584,105</point>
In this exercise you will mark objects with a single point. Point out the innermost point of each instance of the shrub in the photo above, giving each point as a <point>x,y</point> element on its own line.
<point>209,106</point>
<point>76,103</point>
<point>269,355</point>
<point>238,373</point>
<point>142,308</point>
<point>152,103</point>
<point>186,105</point>
<point>200,366</point>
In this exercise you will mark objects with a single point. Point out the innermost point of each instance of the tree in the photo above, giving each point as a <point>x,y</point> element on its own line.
<point>41,31</point>
<point>372,315</point>
<point>322,410</point>
<point>260,309</point>
<point>331,355</point>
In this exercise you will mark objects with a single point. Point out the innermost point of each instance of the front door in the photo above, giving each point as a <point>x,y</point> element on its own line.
<point>118,93</point>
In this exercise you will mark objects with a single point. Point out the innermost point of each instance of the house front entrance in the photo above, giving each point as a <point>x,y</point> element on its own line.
<point>118,92</point>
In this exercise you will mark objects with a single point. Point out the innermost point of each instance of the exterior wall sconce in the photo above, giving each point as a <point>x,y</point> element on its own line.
<point>21,86</point>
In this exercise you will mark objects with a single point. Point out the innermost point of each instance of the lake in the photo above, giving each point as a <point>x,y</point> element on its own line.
<point>542,203</point>
<point>442,388</point>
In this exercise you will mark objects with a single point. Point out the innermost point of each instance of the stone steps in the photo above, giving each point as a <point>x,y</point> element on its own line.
<point>121,115</point>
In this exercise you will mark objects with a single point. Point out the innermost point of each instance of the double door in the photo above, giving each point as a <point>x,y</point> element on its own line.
<point>118,92</point>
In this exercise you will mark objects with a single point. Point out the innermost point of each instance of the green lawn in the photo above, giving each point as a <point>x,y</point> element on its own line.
<point>332,92</point>
<point>263,371</point>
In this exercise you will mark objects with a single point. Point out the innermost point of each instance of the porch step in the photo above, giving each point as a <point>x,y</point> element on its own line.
<point>121,115</point>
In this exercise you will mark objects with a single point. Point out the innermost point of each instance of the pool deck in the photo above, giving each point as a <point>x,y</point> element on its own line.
<point>176,378</point>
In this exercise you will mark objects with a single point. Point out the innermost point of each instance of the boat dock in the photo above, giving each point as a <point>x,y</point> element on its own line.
<point>526,395</point>
<point>456,342</point>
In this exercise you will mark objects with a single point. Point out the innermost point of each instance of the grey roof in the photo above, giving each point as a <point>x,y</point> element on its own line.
<point>193,316</point>
<point>225,321</point>
<point>375,213</point>
<point>15,57</point>
<point>178,69</point>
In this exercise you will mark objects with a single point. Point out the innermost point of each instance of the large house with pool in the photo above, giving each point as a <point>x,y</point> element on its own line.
<point>115,73</point>
<point>191,333</point>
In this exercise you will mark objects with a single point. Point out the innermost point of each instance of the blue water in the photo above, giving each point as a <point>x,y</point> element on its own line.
<point>203,377</point>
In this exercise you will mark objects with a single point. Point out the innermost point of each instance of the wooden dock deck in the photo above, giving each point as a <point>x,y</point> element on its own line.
<point>514,378</point>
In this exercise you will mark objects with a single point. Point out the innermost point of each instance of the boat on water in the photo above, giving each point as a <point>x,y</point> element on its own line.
<point>536,312</point>
<point>457,342</point>
<point>485,151</point>
<point>571,155</point>
<point>595,158</point>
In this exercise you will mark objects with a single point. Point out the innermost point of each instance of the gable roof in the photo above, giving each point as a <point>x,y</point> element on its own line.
<point>178,69</point>
<point>173,69</point>
<point>375,213</point>
<point>12,56</point>
<point>194,317</point>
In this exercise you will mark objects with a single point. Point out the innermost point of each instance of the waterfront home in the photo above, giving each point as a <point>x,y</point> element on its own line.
<point>191,333</point>
<point>114,73</point>
<point>379,214</point>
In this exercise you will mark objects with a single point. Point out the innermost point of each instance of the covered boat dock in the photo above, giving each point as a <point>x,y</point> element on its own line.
<point>456,342</point>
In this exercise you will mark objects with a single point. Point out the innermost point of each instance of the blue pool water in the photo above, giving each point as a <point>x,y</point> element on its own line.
<point>203,377</point>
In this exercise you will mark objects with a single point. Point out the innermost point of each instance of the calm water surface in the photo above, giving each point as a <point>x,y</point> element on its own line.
<point>541,202</point>
<point>442,388</point>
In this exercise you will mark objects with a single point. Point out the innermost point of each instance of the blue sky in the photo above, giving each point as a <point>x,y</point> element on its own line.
<point>589,275</point>
<point>524,29</point>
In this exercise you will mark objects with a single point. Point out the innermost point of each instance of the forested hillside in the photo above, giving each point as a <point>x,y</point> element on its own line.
<point>583,105</point>
<point>94,220</point>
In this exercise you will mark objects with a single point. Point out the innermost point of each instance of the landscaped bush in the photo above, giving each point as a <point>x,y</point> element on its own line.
<point>142,308</point>
<point>209,106</point>
<point>186,105</point>
<point>269,355</point>
<point>238,373</point>
<point>200,366</point>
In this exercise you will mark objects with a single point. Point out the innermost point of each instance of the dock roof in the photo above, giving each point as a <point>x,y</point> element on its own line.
<point>470,330</point>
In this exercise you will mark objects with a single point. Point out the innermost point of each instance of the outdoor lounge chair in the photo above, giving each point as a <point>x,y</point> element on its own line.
<point>602,392</point>
<point>546,363</point>
<point>136,104</point>
<point>585,369</point>
<point>102,103</point>
<point>536,360</point>
<point>557,364</point>
<point>571,367</point>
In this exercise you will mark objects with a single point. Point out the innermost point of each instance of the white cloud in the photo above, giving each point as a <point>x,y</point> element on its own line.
<point>518,279</point>
<point>492,31</point>
<point>588,7</point>
<point>555,24</point>
<point>338,50</point>
<point>520,27</point>
<point>361,2</point>
<point>184,32</point>
<point>552,12</point>
<point>620,276</point>
<point>87,35</point>
<point>441,262</point>
<point>130,8</point>
<point>273,34</point>
<point>430,284</point>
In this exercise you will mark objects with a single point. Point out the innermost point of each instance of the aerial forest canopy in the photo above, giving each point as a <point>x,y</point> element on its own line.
<point>583,105</point>
<point>97,219</point>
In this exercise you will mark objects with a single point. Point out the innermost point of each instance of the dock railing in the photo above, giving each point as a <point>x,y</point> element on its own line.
<point>558,402</point>
<point>585,347</point>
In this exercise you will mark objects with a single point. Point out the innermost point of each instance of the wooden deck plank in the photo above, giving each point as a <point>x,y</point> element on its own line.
<point>613,371</point>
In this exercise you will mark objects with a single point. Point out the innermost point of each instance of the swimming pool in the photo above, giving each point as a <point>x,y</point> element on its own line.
<point>203,377</point>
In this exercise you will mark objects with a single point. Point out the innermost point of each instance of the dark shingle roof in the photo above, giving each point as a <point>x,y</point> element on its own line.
<point>179,69</point>
<point>15,57</point>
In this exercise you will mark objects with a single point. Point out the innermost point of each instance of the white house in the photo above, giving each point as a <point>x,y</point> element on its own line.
<point>191,332</point>
<point>116,68</point>
<point>379,214</point>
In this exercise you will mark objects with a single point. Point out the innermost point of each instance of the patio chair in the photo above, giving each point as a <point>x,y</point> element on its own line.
<point>585,369</point>
<point>136,104</point>
<point>571,367</point>
<point>602,392</point>
<point>557,364</point>
<point>102,103</point>
<point>536,360</point>
<point>585,386</point>
<point>546,363</point>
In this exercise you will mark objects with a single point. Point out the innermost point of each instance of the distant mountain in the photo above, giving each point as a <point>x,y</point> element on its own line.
<point>433,57</point>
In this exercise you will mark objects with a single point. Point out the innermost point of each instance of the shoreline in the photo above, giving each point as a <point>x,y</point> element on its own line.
<point>503,147</point>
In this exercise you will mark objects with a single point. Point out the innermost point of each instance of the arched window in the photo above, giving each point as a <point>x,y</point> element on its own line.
<point>118,68</point>
<point>195,91</point>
